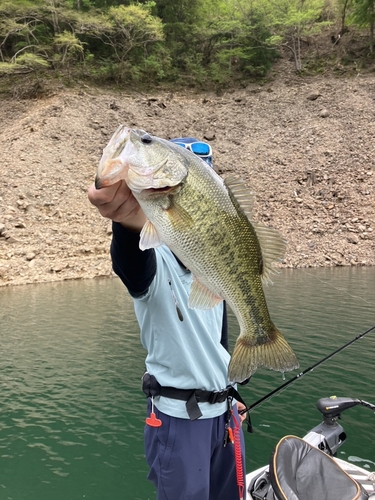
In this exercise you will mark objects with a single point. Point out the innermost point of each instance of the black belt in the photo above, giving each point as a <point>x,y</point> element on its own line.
<point>152,388</point>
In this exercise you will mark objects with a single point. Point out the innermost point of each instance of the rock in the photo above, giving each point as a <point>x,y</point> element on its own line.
<point>114,106</point>
<point>10,239</point>
<point>324,113</point>
<point>57,268</point>
<point>313,96</point>
<point>353,238</point>
<point>3,271</point>
<point>209,135</point>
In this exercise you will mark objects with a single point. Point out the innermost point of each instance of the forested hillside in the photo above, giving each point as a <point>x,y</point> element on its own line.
<point>197,43</point>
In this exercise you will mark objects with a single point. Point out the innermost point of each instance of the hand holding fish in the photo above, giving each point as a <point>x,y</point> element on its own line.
<point>116,202</point>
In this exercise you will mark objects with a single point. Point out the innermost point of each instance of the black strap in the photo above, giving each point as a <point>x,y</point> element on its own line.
<point>192,407</point>
<point>152,388</point>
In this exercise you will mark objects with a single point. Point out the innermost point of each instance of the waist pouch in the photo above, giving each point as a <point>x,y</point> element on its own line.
<point>152,388</point>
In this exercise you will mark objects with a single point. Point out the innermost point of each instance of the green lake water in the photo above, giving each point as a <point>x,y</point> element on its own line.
<point>72,412</point>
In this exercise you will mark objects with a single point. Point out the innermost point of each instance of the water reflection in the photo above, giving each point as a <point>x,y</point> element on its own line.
<point>71,419</point>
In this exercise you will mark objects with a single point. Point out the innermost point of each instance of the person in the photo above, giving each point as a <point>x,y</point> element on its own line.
<point>193,438</point>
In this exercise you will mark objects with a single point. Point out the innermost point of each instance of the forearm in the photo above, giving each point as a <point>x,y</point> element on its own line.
<point>135,268</point>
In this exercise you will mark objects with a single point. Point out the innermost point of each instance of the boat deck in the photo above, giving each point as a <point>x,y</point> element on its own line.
<point>364,477</point>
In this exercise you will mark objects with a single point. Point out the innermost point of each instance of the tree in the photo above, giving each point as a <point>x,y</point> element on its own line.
<point>363,14</point>
<point>129,33</point>
<point>31,61</point>
<point>17,26</point>
<point>123,29</point>
<point>132,27</point>
<point>180,11</point>
<point>291,20</point>
<point>68,45</point>
<point>343,6</point>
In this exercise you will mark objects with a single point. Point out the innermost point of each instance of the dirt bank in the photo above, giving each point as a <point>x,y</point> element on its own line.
<point>305,147</point>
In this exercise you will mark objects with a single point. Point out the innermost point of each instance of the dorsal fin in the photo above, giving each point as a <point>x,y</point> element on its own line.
<point>241,193</point>
<point>272,244</point>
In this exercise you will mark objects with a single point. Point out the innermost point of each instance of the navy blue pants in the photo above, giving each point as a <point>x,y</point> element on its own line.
<point>188,460</point>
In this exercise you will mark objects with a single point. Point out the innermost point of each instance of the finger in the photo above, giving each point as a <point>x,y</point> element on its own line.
<point>125,209</point>
<point>99,197</point>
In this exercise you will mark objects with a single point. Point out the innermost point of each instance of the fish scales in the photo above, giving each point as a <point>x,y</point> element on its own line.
<point>202,220</point>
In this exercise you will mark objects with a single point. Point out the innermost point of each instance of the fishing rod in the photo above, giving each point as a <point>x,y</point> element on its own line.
<point>299,375</point>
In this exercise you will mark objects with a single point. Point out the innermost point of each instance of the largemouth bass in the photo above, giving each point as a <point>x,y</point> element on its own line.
<point>206,222</point>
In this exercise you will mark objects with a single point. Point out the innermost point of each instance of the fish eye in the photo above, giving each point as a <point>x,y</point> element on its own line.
<point>146,139</point>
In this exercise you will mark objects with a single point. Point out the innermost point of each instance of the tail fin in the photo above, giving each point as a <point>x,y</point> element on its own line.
<point>249,355</point>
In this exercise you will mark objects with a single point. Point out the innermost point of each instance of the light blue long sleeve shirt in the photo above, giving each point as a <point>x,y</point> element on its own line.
<point>182,354</point>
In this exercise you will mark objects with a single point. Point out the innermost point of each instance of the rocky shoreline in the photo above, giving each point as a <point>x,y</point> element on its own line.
<point>305,148</point>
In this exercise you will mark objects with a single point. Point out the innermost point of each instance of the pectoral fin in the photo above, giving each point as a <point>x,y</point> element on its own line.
<point>149,237</point>
<point>200,297</point>
<point>179,217</point>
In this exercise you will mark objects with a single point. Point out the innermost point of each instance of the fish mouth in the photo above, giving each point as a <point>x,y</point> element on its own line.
<point>100,183</point>
<point>111,166</point>
<point>113,171</point>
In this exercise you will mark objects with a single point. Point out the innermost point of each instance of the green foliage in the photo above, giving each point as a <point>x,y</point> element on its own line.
<point>286,17</point>
<point>80,5</point>
<point>24,63</point>
<point>238,47</point>
<point>32,61</point>
<point>156,67</point>
<point>133,26</point>
<point>9,68</point>
<point>291,20</point>
<point>363,12</point>
<point>195,73</point>
<point>194,42</point>
<point>69,46</point>
<point>181,11</point>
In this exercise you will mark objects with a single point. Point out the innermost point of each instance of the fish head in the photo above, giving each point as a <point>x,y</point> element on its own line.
<point>149,165</point>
